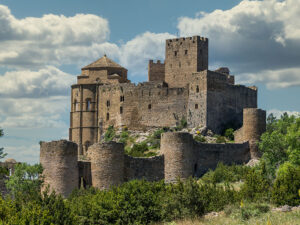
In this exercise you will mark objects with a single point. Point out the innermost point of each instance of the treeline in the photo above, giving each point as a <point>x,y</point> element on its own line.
<point>275,180</point>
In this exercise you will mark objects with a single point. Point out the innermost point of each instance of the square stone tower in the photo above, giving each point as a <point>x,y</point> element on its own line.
<point>185,56</point>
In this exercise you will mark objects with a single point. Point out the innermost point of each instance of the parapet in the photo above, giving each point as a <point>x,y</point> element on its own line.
<point>193,38</point>
<point>107,164</point>
<point>59,160</point>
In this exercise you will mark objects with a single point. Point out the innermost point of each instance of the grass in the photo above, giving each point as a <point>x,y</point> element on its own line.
<point>270,218</point>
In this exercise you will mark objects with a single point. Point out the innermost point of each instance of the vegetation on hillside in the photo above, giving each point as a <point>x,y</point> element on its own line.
<point>274,181</point>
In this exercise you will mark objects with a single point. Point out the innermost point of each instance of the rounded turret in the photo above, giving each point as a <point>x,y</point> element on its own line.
<point>59,160</point>
<point>178,154</point>
<point>107,164</point>
<point>254,125</point>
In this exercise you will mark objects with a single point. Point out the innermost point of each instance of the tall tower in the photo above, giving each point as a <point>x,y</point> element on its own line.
<point>185,56</point>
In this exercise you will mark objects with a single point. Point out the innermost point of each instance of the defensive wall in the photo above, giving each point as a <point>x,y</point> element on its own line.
<point>109,166</point>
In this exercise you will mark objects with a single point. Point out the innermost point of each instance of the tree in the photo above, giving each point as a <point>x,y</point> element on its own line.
<point>2,154</point>
<point>281,142</point>
<point>25,181</point>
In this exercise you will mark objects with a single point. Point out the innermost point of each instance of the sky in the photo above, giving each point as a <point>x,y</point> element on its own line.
<point>44,44</point>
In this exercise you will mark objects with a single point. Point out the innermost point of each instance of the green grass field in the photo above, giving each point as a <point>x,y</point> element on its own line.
<point>270,218</point>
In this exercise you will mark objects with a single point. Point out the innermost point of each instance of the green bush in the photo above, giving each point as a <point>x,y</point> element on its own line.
<point>220,139</point>
<point>199,138</point>
<point>124,136</point>
<point>286,188</point>
<point>257,185</point>
<point>229,134</point>
<point>109,134</point>
<point>225,173</point>
<point>182,124</point>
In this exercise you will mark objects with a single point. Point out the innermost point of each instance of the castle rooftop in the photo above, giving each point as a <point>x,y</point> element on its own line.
<point>103,62</point>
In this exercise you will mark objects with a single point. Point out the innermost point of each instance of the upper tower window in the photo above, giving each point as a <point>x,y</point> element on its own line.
<point>121,110</point>
<point>149,106</point>
<point>88,104</point>
<point>175,53</point>
<point>122,98</point>
<point>107,103</point>
<point>196,106</point>
<point>186,52</point>
<point>197,89</point>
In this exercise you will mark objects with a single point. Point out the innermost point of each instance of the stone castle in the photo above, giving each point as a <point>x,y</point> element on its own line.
<point>180,88</point>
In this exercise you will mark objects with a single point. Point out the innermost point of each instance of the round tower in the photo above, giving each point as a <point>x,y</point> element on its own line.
<point>178,154</point>
<point>107,164</point>
<point>59,160</point>
<point>254,125</point>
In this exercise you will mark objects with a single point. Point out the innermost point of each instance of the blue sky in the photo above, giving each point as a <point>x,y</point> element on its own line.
<point>43,45</point>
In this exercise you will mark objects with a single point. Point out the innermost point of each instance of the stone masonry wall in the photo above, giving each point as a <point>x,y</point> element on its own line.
<point>59,160</point>
<point>150,104</point>
<point>185,157</point>
<point>156,71</point>
<point>151,169</point>
<point>185,56</point>
<point>107,164</point>
<point>254,125</point>
<point>225,102</point>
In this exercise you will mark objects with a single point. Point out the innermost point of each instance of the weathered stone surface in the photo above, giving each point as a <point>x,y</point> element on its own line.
<point>182,87</point>
<point>107,164</point>
<point>59,160</point>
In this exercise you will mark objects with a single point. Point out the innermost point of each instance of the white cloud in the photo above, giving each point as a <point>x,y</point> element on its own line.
<point>34,113</point>
<point>277,113</point>
<point>28,153</point>
<point>50,39</point>
<point>252,37</point>
<point>281,78</point>
<point>136,53</point>
<point>48,81</point>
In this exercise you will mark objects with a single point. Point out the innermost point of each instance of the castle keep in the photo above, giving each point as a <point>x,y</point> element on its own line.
<point>180,88</point>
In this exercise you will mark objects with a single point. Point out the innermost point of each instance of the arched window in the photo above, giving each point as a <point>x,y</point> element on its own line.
<point>107,116</point>
<point>88,104</point>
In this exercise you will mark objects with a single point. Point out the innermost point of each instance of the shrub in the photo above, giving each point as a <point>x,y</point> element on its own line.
<point>224,173</point>
<point>109,134</point>
<point>220,139</point>
<point>286,188</point>
<point>182,124</point>
<point>124,136</point>
<point>199,138</point>
<point>229,134</point>
<point>257,184</point>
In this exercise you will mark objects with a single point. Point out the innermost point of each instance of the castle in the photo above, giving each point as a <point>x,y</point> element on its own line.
<point>181,87</point>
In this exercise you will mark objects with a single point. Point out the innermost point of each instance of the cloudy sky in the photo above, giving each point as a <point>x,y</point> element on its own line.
<point>43,45</point>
